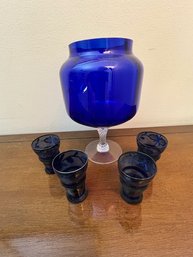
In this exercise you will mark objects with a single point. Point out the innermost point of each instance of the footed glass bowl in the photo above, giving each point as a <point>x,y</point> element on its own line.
<point>101,84</point>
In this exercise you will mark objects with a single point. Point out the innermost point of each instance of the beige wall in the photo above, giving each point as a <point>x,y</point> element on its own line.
<point>33,45</point>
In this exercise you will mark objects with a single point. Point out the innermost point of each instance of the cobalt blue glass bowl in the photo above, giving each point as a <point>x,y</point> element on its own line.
<point>101,85</point>
<point>101,81</point>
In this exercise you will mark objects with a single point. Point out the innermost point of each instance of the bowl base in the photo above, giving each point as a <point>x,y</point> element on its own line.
<point>77,199</point>
<point>131,200</point>
<point>103,158</point>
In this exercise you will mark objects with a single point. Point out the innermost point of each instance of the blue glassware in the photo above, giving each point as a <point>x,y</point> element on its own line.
<point>136,170</point>
<point>101,84</point>
<point>70,167</point>
<point>152,143</point>
<point>46,147</point>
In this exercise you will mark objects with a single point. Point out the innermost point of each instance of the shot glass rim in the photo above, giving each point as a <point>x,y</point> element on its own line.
<point>150,131</point>
<point>47,148</point>
<point>69,172</point>
<point>141,153</point>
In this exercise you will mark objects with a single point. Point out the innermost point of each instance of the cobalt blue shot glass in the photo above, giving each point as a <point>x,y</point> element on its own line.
<point>70,167</point>
<point>46,147</point>
<point>136,170</point>
<point>152,143</point>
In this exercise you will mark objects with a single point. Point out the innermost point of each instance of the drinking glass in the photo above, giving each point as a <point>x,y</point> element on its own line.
<point>152,143</point>
<point>46,147</point>
<point>70,167</point>
<point>136,171</point>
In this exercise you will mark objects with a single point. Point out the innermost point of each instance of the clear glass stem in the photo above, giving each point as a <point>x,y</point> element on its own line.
<point>102,146</point>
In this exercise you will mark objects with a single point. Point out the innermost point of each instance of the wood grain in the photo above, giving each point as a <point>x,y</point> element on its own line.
<point>37,220</point>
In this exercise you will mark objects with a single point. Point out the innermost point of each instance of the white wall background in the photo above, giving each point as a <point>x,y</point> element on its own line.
<point>34,35</point>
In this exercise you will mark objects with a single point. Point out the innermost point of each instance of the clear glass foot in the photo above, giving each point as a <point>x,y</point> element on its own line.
<point>103,151</point>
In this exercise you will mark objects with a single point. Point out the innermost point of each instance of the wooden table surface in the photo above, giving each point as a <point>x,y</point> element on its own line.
<point>36,220</point>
